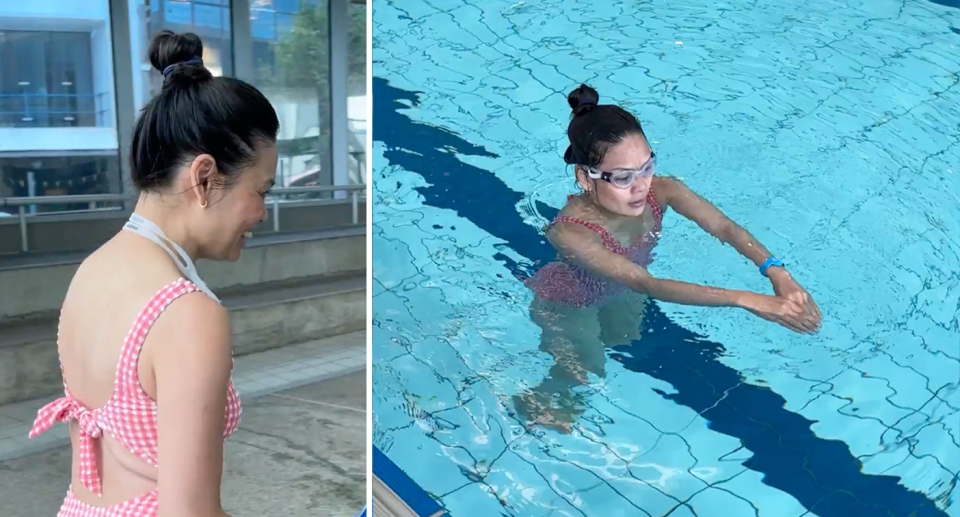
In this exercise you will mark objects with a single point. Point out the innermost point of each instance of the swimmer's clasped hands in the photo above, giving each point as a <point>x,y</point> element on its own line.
<point>792,307</point>
<point>784,285</point>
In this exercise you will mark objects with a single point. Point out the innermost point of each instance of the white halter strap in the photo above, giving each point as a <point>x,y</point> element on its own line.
<point>143,227</point>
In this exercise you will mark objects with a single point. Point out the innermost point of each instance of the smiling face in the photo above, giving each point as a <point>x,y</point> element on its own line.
<point>237,208</point>
<point>630,154</point>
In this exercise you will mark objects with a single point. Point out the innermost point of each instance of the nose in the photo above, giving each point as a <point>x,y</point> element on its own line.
<point>641,185</point>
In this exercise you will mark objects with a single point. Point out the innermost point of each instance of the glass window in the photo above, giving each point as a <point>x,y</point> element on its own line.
<point>208,16</point>
<point>57,102</point>
<point>263,25</point>
<point>46,80</point>
<point>209,19</point>
<point>287,6</point>
<point>290,51</point>
<point>53,175</point>
<point>357,92</point>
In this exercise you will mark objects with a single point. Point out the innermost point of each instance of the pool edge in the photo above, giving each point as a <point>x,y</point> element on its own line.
<point>399,495</point>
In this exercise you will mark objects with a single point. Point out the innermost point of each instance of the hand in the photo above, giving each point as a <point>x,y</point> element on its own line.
<point>785,286</point>
<point>783,311</point>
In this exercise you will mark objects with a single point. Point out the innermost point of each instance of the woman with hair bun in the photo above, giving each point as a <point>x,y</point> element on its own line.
<point>144,344</point>
<point>594,294</point>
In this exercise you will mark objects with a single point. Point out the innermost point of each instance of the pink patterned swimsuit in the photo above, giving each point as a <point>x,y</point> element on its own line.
<point>564,283</point>
<point>130,416</point>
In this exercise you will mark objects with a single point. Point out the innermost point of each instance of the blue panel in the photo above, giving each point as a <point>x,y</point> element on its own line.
<point>176,12</point>
<point>287,6</point>
<point>397,480</point>
<point>262,24</point>
<point>208,16</point>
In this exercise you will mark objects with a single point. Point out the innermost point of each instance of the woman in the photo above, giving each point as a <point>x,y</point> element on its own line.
<point>594,295</point>
<point>144,344</point>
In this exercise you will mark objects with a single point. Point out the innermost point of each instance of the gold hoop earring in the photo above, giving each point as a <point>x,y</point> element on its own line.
<point>204,204</point>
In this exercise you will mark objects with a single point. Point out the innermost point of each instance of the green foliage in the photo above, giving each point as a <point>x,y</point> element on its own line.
<point>303,55</point>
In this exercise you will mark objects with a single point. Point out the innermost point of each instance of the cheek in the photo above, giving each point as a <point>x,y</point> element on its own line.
<point>243,209</point>
<point>254,209</point>
<point>616,195</point>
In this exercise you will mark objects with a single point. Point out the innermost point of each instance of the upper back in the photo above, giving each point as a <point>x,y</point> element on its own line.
<point>105,298</point>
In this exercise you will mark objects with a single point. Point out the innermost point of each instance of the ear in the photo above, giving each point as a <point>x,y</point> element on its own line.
<point>583,179</point>
<point>203,171</point>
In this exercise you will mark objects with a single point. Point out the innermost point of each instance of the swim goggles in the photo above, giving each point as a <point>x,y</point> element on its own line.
<point>624,179</point>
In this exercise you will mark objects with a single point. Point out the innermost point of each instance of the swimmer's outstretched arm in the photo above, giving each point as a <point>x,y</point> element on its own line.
<point>688,204</point>
<point>584,248</point>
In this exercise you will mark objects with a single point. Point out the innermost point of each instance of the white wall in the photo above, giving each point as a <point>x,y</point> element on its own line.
<point>57,138</point>
<point>55,9</point>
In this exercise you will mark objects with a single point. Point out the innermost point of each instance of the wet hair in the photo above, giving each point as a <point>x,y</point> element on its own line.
<point>595,128</point>
<point>196,113</point>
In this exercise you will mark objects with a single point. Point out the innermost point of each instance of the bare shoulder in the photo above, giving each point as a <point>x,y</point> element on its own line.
<point>193,329</point>
<point>669,188</point>
<point>565,234</point>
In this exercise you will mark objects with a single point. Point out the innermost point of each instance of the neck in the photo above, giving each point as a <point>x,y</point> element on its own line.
<point>612,219</point>
<point>160,213</point>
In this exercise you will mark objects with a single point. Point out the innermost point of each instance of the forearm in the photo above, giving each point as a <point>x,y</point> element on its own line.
<point>745,244</point>
<point>685,293</point>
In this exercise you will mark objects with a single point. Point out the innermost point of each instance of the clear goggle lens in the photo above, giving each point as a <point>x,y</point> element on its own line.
<point>625,179</point>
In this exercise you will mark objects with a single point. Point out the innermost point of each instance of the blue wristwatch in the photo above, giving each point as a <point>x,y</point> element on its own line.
<point>769,263</point>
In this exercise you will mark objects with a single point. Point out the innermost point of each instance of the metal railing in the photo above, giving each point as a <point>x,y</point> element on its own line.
<point>21,203</point>
<point>54,109</point>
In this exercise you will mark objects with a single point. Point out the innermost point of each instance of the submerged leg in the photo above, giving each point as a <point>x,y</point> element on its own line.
<point>572,337</point>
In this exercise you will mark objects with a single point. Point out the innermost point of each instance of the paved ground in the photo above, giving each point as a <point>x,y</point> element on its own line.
<point>300,452</point>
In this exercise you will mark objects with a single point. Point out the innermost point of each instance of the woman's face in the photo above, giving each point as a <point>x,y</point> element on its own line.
<point>630,154</point>
<point>238,208</point>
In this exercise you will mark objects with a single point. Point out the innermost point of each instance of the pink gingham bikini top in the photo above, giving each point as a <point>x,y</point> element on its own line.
<point>130,416</point>
<point>565,283</point>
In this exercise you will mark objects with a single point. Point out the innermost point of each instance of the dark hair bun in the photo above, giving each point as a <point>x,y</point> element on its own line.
<point>583,99</point>
<point>171,49</point>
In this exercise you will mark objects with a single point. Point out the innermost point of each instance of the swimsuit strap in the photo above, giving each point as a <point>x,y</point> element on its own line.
<point>128,378</point>
<point>608,239</point>
<point>656,209</point>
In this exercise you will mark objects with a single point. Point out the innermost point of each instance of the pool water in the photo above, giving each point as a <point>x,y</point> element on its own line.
<point>830,130</point>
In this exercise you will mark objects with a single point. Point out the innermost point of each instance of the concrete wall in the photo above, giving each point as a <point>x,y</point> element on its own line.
<point>88,231</point>
<point>35,291</point>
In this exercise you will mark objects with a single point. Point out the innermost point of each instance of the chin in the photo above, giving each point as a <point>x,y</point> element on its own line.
<point>233,256</point>
<point>629,211</point>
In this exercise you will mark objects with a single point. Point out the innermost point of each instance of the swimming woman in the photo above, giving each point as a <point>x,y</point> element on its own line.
<point>593,296</point>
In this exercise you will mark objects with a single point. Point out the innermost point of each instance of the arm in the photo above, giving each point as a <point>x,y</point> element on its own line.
<point>585,249</point>
<point>708,217</point>
<point>192,362</point>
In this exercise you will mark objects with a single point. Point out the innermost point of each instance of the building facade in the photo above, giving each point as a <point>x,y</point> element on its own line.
<point>74,75</point>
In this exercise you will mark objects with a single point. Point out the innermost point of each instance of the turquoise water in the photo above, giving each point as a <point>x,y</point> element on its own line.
<point>830,130</point>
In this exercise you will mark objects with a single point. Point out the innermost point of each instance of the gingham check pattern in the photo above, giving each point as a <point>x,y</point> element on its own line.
<point>566,283</point>
<point>130,416</point>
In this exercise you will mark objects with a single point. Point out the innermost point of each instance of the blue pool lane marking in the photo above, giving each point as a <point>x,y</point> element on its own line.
<point>406,489</point>
<point>821,474</point>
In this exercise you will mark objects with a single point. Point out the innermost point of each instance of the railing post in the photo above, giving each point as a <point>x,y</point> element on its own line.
<point>24,242</point>
<point>354,204</point>
<point>276,214</point>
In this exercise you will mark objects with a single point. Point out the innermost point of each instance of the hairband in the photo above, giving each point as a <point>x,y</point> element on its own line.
<point>192,61</point>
